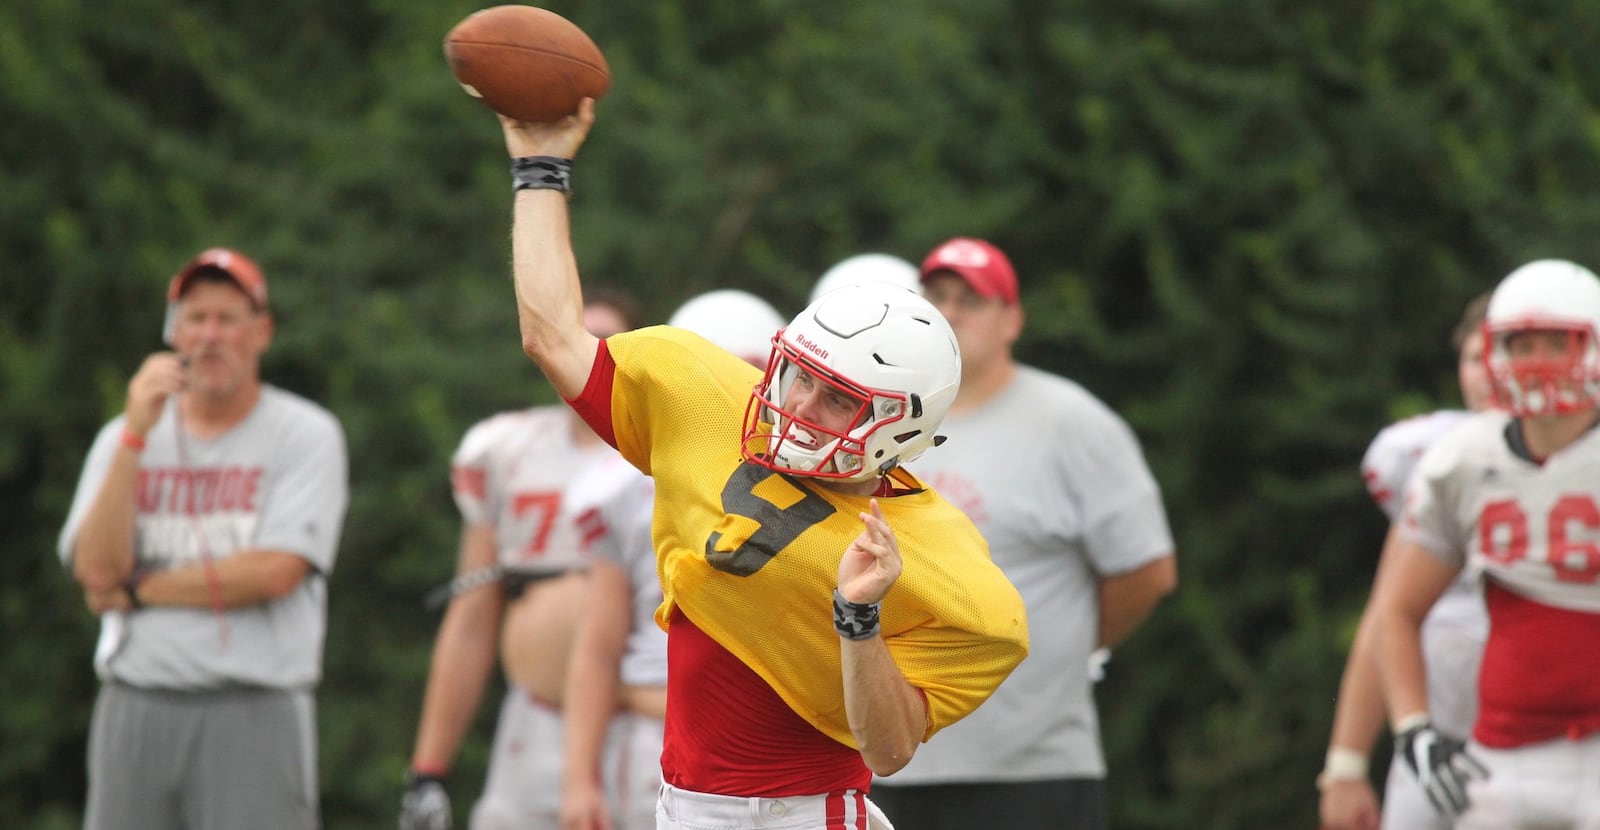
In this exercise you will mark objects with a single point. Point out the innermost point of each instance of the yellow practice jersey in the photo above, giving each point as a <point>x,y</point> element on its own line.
<point>752,556</point>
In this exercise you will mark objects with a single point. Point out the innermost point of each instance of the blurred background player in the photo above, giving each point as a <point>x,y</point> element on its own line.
<point>1059,487</point>
<point>738,321</point>
<point>825,611</point>
<point>510,478</point>
<point>1513,494</point>
<point>205,525</point>
<point>620,653</point>
<point>1452,636</point>
<point>864,269</point>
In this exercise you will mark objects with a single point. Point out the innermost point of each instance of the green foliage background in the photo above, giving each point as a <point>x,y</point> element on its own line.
<point>1247,224</point>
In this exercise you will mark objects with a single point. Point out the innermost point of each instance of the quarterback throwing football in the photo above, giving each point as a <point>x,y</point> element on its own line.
<point>825,611</point>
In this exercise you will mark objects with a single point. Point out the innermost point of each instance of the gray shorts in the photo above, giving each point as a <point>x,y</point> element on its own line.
<point>240,759</point>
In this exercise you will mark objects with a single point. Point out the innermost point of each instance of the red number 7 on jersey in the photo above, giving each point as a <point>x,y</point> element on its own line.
<point>549,505</point>
<point>1503,535</point>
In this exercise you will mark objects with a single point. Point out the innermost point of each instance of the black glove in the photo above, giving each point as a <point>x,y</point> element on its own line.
<point>1442,766</point>
<point>425,805</point>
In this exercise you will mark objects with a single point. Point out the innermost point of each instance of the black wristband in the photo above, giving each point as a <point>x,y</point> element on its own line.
<point>541,173</point>
<point>854,620</point>
<point>130,586</point>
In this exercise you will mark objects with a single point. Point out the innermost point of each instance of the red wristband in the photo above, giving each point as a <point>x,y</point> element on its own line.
<point>132,440</point>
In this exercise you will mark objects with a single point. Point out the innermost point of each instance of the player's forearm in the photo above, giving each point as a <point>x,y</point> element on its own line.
<point>1399,648</point>
<point>549,298</point>
<point>1359,713</point>
<point>241,579</point>
<point>594,675</point>
<point>591,695</point>
<point>464,656</point>
<point>102,553</point>
<point>1126,600</point>
<point>887,715</point>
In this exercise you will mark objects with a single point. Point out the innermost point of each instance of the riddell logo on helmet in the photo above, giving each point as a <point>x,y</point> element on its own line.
<point>811,347</point>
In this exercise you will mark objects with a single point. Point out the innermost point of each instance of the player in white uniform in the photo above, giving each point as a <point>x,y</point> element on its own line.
<point>1515,496</point>
<point>1452,635</point>
<point>613,754</point>
<point>205,524</point>
<point>1058,485</point>
<point>510,478</point>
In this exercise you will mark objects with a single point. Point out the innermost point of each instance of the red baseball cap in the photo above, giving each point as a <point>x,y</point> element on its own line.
<point>239,268</point>
<point>244,272</point>
<point>982,265</point>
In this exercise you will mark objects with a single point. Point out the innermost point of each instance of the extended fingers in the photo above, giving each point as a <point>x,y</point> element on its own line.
<point>877,525</point>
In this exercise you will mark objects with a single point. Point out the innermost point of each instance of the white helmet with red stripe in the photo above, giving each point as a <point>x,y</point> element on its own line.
<point>881,349</point>
<point>1549,295</point>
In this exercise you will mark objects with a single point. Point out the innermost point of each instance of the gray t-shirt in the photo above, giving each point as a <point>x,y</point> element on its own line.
<point>276,481</point>
<point>1058,486</point>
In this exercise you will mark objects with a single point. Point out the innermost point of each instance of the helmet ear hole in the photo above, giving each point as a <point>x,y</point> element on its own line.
<point>916,405</point>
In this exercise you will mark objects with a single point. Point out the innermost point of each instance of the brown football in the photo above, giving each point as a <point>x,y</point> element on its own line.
<point>528,63</point>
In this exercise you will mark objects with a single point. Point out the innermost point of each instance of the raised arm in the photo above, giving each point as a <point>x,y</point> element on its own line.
<point>543,267</point>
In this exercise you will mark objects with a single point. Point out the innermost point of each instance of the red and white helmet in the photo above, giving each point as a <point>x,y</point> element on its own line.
<point>879,345</point>
<point>739,322</point>
<point>1545,295</point>
<point>862,269</point>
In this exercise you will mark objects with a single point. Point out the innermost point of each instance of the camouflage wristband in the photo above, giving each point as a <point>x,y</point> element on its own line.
<point>854,620</point>
<point>541,173</point>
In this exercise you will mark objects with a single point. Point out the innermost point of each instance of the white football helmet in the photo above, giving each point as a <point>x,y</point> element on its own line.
<point>882,351</point>
<point>738,321</point>
<point>862,269</point>
<point>1545,295</point>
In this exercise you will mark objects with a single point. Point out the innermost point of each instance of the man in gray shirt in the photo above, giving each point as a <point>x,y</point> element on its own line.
<point>203,530</point>
<point>1059,487</point>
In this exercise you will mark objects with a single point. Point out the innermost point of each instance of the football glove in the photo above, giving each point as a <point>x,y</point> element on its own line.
<point>425,805</point>
<point>1441,765</point>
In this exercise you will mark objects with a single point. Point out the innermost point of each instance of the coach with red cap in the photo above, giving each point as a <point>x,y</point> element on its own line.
<point>1059,487</point>
<point>203,530</point>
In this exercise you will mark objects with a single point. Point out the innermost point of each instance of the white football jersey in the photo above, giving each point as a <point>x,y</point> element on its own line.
<point>511,472</point>
<point>1394,453</point>
<point>1534,528</point>
<point>1456,627</point>
<point>619,500</point>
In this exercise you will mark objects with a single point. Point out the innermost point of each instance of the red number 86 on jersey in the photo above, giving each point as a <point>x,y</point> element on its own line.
<point>1503,536</point>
